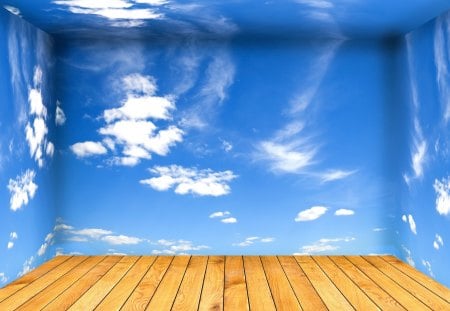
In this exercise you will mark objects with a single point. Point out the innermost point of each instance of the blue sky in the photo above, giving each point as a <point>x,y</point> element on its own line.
<point>293,164</point>
<point>224,146</point>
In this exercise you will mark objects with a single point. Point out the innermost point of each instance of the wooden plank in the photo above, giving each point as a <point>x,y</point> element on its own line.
<point>168,288</point>
<point>235,293</point>
<point>31,276</point>
<point>358,299</point>
<point>423,294</point>
<point>431,284</point>
<point>212,294</point>
<point>44,297</point>
<point>77,289</point>
<point>38,285</point>
<point>303,289</point>
<point>188,296</point>
<point>401,295</point>
<point>90,299</point>
<point>259,295</point>
<point>330,295</point>
<point>375,292</point>
<point>282,293</point>
<point>120,293</point>
<point>142,294</point>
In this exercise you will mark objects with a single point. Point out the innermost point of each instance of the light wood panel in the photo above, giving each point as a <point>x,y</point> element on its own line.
<point>225,283</point>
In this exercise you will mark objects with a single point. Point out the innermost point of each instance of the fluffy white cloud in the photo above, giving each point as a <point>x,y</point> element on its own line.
<point>60,116</point>
<point>10,245</point>
<point>324,245</point>
<point>121,240</point>
<point>190,180</point>
<point>412,224</point>
<point>229,220</point>
<point>404,218</point>
<point>88,149</point>
<point>254,239</point>
<point>93,233</point>
<point>219,214</point>
<point>130,131</point>
<point>227,146</point>
<point>438,242</point>
<point>344,212</point>
<point>36,130</point>
<point>22,189</point>
<point>442,189</point>
<point>49,240</point>
<point>333,175</point>
<point>312,213</point>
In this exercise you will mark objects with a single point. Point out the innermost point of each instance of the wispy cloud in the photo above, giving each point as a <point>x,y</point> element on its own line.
<point>442,61</point>
<point>12,10</point>
<point>121,240</point>
<point>344,212</point>
<point>12,237</point>
<point>333,175</point>
<point>60,116</point>
<point>171,247</point>
<point>442,189</point>
<point>312,213</point>
<point>409,219</point>
<point>227,146</point>
<point>324,245</point>
<point>419,143</point>
<point>427,266</point>
<point>219,214</point>
<point>3,278</point>
<point>378,229</point>
<point>408,257</point>
<point>438,242</point>
<point>22,189</point>
<point>203,182</point>
<point>254,239</point>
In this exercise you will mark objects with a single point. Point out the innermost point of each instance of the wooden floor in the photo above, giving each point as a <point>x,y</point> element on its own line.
<point>230,283</point>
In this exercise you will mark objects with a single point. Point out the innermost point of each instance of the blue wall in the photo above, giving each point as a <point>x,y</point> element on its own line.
<point>27,107</point>
<point>424,225</point>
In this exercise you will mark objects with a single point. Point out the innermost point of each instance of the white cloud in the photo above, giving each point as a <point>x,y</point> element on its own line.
<point>152,2</point>
<point>404,218</point>
<point>61,226</point>
<point>3,278</point>
<point>219,214</point>
<point>319,4</point>
<point>12,9</point>
<point>229,220</point>
<point>49,240</point>
<point>178,247</point>
<point>324,245</point>
<point>312,213</point>
<point>93,233</point>
<point>333,175</point>
<point>96,4</point>
<point>427,265</point>
<point>88,149</point>
<point>12,236</point>
<point>441,60</point>
<point>379,229</point>
<point>438,242</point>
<point>344,212</point>
<point>22,189</point>
<point>254,239</point>
<point>408,258</point>
<point>121,240</point>
<point>412,224</point>
<point>50,149</point>
<point>60,116</point>
<point>128,130</point>
<point>442,189</point>
<point>190,180</point>
<point>36,130</point>
<point>227,146</point>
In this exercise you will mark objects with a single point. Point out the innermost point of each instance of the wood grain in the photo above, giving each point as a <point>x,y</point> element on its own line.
<point>224,283</point>
<point>142,294</point>
<point>165,294</point>
<point>235,295</point>
<point>212,294</point>
<point>259,295</point>
<point>188,296</point>
<point>282,293</point>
